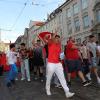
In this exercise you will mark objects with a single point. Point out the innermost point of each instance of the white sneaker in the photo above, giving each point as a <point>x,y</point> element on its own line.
<point>69,94</point>
<point>88,76</point>
<point>22,79</point>
<point>28,80</point>
<point>48,92</point>
<point>16,79</point>
<point>98,79</point>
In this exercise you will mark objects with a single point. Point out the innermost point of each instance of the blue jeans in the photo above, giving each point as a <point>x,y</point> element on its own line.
<point>12,73</point>
<point>25,67</point>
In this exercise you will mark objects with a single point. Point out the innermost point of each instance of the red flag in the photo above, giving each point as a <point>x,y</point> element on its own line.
<point>43,34</point>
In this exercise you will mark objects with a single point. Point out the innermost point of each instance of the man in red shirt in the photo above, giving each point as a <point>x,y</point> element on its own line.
<point>54,65</point>
<point>73,61</point>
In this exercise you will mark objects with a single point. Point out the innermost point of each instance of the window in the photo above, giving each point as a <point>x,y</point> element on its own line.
<point>46,26</point>
<point>98,15</point>
<point>86,21</point>
<point>77,25</point>
<point>69,28</point>
<point>78,40</point>
<point>75,8</point>
<point>60,19</point>
<point>68,12</point>
<point>61,32</point>
<point>84,4</point>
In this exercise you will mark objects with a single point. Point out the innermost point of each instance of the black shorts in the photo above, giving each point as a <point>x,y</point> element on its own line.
<point>73,65</point>
<point>38,61</point>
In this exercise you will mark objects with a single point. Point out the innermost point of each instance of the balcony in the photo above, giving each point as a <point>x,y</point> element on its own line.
<point>97,4</point>
<point>97,1</point>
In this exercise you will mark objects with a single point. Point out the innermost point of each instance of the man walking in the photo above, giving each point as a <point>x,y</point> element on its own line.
<point>24,62</point>
<point>11,61</point>
<point>92,55</point>
<point>54,65</point>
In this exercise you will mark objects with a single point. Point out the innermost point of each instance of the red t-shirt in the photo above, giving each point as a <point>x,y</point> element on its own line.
<point>54,51</point>
<point>71,54</point>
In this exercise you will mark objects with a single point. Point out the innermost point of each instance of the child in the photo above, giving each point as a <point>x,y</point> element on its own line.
<point>11,61</point>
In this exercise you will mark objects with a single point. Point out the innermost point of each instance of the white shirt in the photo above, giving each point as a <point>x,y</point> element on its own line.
<point>12,57</point>
<point>92,47</point>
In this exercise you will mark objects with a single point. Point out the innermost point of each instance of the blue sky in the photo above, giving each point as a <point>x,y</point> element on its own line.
<point>10,9</point>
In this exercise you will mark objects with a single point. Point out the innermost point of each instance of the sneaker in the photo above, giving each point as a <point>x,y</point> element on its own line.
<point>48,92</point>
<point>58,86</point>
<point>9,85</point>
<point>28,80</point>
<point>86,83</point>
<point>42,80</point>
<point>35,78</point>
<point>13,82</point>
<point>16,79</point>
<point>69,84</point>
<point>90,81</point>
<point>98,80</point>
<point>22,79</point>
<point>69,94</point>
<point>88,76</point>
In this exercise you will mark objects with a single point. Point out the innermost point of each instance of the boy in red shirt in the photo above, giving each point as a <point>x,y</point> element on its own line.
<point>54,65</point>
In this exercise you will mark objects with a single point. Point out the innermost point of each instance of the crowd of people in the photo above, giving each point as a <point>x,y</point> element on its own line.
<point>48,61</point>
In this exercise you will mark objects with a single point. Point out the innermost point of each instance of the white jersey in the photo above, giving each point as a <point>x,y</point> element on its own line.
<point>11,57</point>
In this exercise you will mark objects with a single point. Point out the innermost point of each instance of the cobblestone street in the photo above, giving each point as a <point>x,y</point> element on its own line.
<point>35,90</point>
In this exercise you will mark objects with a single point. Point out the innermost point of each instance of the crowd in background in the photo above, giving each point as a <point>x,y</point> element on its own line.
<point>77,59</point>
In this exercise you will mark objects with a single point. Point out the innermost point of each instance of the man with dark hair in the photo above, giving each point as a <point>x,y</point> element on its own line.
<point>54,65</point>
<point>92,56</point>
<point>24,62</point>
<point>91,36</point>
<point>73,61</point>
<point>11,61</point>
<point>22,44</point>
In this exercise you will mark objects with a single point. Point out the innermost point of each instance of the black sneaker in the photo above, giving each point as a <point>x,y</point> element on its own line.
<point>9,85</point>
<point>42,80</point>
<point>86,83</point>
<point>69,84</point>
<point>13,82</point>
<point>90,81</point>
<point>35,78</point>
<point>58,86</point>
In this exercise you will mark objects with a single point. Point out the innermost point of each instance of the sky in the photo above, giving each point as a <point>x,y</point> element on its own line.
<point>15,16</point>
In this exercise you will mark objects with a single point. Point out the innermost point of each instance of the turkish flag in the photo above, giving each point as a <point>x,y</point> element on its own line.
<point>42,35</point>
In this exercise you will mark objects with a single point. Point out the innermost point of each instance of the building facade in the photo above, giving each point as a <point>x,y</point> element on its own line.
<point>4,47</point>
<point>96,26</point>
<point>76,18</point>
<point>18,41</point>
